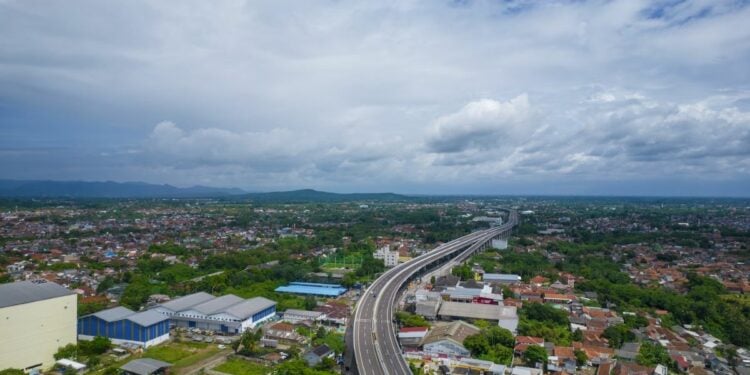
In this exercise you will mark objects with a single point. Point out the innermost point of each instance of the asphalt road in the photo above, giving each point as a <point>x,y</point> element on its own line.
<point>374,341</point>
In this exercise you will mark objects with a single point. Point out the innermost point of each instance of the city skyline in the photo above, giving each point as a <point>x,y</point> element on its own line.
<point>463,97</point>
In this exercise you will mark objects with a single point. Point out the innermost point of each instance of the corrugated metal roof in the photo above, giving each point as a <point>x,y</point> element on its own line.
<point>312,290</point>
<point>501,276</point>
<point>186,302</point>
<point>114,314</point>
<point>471,310</point>
<point>305,313</point>
<point>144,318</point>
<point>247,308</point>
<point>218,304</point>
<point>147,318</point>
<point>145,366</point>
<point>27,291</point>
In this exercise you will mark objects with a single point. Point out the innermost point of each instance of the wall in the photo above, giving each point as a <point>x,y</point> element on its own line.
<point>31,333</point>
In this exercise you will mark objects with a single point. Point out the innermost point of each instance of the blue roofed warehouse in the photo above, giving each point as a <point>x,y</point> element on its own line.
<point>313,289</point>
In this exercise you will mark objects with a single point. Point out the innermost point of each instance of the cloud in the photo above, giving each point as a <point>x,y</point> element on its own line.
<point>481,125</point>
<point>416,94</point>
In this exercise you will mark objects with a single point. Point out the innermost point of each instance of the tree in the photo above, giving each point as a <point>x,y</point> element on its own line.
<point>310,303</point>
<point>349,280</point>
<point>544,313</point>
<point>12,371</point>
<point>69,351</point>
<point>326,363</point>
<point>249,340</point>
<point>577,335</point>
<point>99,345</point>
<point>581,357</point>
<point>652,355</point>
<point>406,319</point>
<point>321,332</point>
<point>463,271</point>
<point>477,344</point>
<point>534,355</point>
<point>499,336</point>
<point>498,354</point>
<point>618,335</point>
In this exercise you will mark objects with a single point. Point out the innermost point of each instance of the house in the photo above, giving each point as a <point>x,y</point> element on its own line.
<point>24,307</point>
<point>501,278</point>
<point>448,340</point>
<point>124,326</point>
<point>317,354</point>
<point>295,316</point>
<point>523,342</point>
<point>539,281</point>
<point>506,316</point>
<point>145,366</point>
<point>520,370</point>
<point>411,336</point>
<point>283,333</point>
<point>226,314</point>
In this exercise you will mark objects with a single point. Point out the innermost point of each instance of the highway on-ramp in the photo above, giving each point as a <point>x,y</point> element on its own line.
<point>376,349</point>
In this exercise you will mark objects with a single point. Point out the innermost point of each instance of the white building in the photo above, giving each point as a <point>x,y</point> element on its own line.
<point>37,319</point>
<point>390,258</point>
<point>228,313</point>
<point>295,316</point>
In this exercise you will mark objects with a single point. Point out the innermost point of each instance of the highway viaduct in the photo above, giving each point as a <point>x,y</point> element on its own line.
<point>371,337</point>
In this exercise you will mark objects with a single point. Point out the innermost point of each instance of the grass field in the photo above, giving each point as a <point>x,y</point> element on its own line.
<point>351,262</point>
<point>236,366</point>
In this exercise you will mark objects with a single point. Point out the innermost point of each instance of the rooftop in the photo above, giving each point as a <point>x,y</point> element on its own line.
<point>476,311</point>
<point>456,331</point>
<point>145,366</point>
<point>22,292</point>
<point>144,318</point>
<point>207,304</point>
<point>330,290</point>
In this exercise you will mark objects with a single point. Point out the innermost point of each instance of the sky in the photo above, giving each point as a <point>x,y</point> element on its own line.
<point>432,97</point>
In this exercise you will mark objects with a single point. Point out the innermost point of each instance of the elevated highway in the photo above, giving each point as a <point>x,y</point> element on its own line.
<point>376,348</point>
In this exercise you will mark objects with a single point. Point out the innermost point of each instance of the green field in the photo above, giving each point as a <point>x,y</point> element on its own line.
<point>350,261</point>
<point>236,366</point>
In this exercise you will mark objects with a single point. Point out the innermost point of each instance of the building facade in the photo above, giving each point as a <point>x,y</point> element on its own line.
<point>389,258</point>
<point>124,326</point>
<point>37,319</point>
<point>225,314</point>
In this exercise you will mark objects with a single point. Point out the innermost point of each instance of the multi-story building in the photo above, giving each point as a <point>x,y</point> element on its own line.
<point>37,319</point>
<point>390,258</point>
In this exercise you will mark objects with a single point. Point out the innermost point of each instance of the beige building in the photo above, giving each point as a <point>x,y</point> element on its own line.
<point>36,318</point>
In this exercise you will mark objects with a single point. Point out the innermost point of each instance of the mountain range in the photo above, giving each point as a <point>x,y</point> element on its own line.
<point>111,189</point>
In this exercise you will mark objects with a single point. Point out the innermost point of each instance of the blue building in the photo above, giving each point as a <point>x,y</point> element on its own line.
<point>124,326</point>
<point>313,289</point>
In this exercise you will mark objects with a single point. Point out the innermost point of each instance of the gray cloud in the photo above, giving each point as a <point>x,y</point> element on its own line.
<point>461,96</point>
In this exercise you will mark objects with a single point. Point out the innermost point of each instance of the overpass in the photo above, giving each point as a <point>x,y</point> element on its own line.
<point>373,338</point>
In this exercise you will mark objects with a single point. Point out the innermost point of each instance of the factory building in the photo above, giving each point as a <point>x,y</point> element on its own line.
<point>37,318</point>
<point>312,289</point>
<point>124,326</point>
<point>227,314</point>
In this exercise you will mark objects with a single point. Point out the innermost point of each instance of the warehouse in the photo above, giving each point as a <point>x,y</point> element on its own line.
<point>505,316</point>
<point>227,314</point>
<point>313,289</point>
<point>38,317</point>
<point>124,326</point>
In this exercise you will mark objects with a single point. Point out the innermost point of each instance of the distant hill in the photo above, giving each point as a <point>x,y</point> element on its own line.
<point>310,195</point>
<point>110,189</point>
<point>107,189</point>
